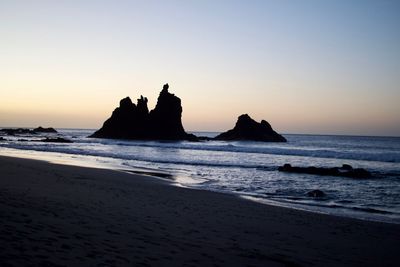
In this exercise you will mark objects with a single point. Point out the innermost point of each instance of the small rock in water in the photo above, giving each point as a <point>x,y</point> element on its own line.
<point>346,167</point>
<point>56,140</point>
<point>359,173</point>
<point>286,167</point>
<point>316,193</point>
<point>344,171</point>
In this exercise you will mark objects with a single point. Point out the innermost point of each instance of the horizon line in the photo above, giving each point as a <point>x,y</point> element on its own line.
<point>205,131</point>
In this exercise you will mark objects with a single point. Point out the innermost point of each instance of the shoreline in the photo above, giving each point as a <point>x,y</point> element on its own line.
<point>67,215</point>
<point>72,160</point>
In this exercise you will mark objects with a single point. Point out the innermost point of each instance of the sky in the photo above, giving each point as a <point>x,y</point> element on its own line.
<point>323,67</point>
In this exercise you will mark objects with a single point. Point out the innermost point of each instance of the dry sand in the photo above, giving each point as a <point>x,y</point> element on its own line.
<point>55,215</point>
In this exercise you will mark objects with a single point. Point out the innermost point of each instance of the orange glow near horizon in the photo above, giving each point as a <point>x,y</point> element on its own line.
<point>303,75</point>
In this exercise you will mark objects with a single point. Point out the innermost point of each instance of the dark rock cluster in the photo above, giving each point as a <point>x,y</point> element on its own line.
<point>344,171</point>
<point>248,129</point>
<point>20,131</point>
<point>135,121</point>
<point>130,121</point>
<point>24,132</point>
<point>17,131</point>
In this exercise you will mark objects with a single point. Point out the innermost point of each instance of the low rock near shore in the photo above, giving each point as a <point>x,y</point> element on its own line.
<point>15,131</point>
<point>248,129</point>
<point>56,140</point>
<point>19,131</point>
<point>344,171</point>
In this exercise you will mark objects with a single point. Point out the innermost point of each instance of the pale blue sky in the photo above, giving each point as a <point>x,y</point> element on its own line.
<point>305,66</point>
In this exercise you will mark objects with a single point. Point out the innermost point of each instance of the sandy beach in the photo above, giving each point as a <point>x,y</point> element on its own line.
<point>58,215</point>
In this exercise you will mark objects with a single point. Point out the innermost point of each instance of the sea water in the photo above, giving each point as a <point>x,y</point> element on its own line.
<point>248,169</point>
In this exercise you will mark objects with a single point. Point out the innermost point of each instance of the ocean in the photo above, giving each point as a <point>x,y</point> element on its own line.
<point>247,169</point>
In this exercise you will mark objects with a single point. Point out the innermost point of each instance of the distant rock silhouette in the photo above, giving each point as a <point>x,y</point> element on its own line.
<point>248,129</point>
<point>344,171</point>
<point>130,121</point>
<point>40,129</point>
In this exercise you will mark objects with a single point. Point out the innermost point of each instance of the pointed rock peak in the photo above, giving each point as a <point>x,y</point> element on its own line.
<point>167,98</point>
<point>142,100</point>
<point>244,117</point>
<point>165,88</point>
<point>126,103</point>
<point>142,105</point>
<point>245,121</point>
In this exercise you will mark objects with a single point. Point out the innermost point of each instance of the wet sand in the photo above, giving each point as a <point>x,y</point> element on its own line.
<point>58,215</point>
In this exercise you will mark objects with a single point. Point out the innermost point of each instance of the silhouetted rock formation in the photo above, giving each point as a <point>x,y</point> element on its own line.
<point>40,129</point>
<point>344,171</point>
<point>165,118</point>
<point>316,193</point>
<point>248,129</point>
<point>2,139</point>
<point>130,121</point>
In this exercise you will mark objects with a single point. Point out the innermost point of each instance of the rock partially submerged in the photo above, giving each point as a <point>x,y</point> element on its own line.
<point>56,140</point>
<point>20,131</point>
<point>344,171</point>
<point>248,129</point>
<point>40,129</point>
<point>130,121</point>
<point>316,193</point>
<point>17,131</point>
